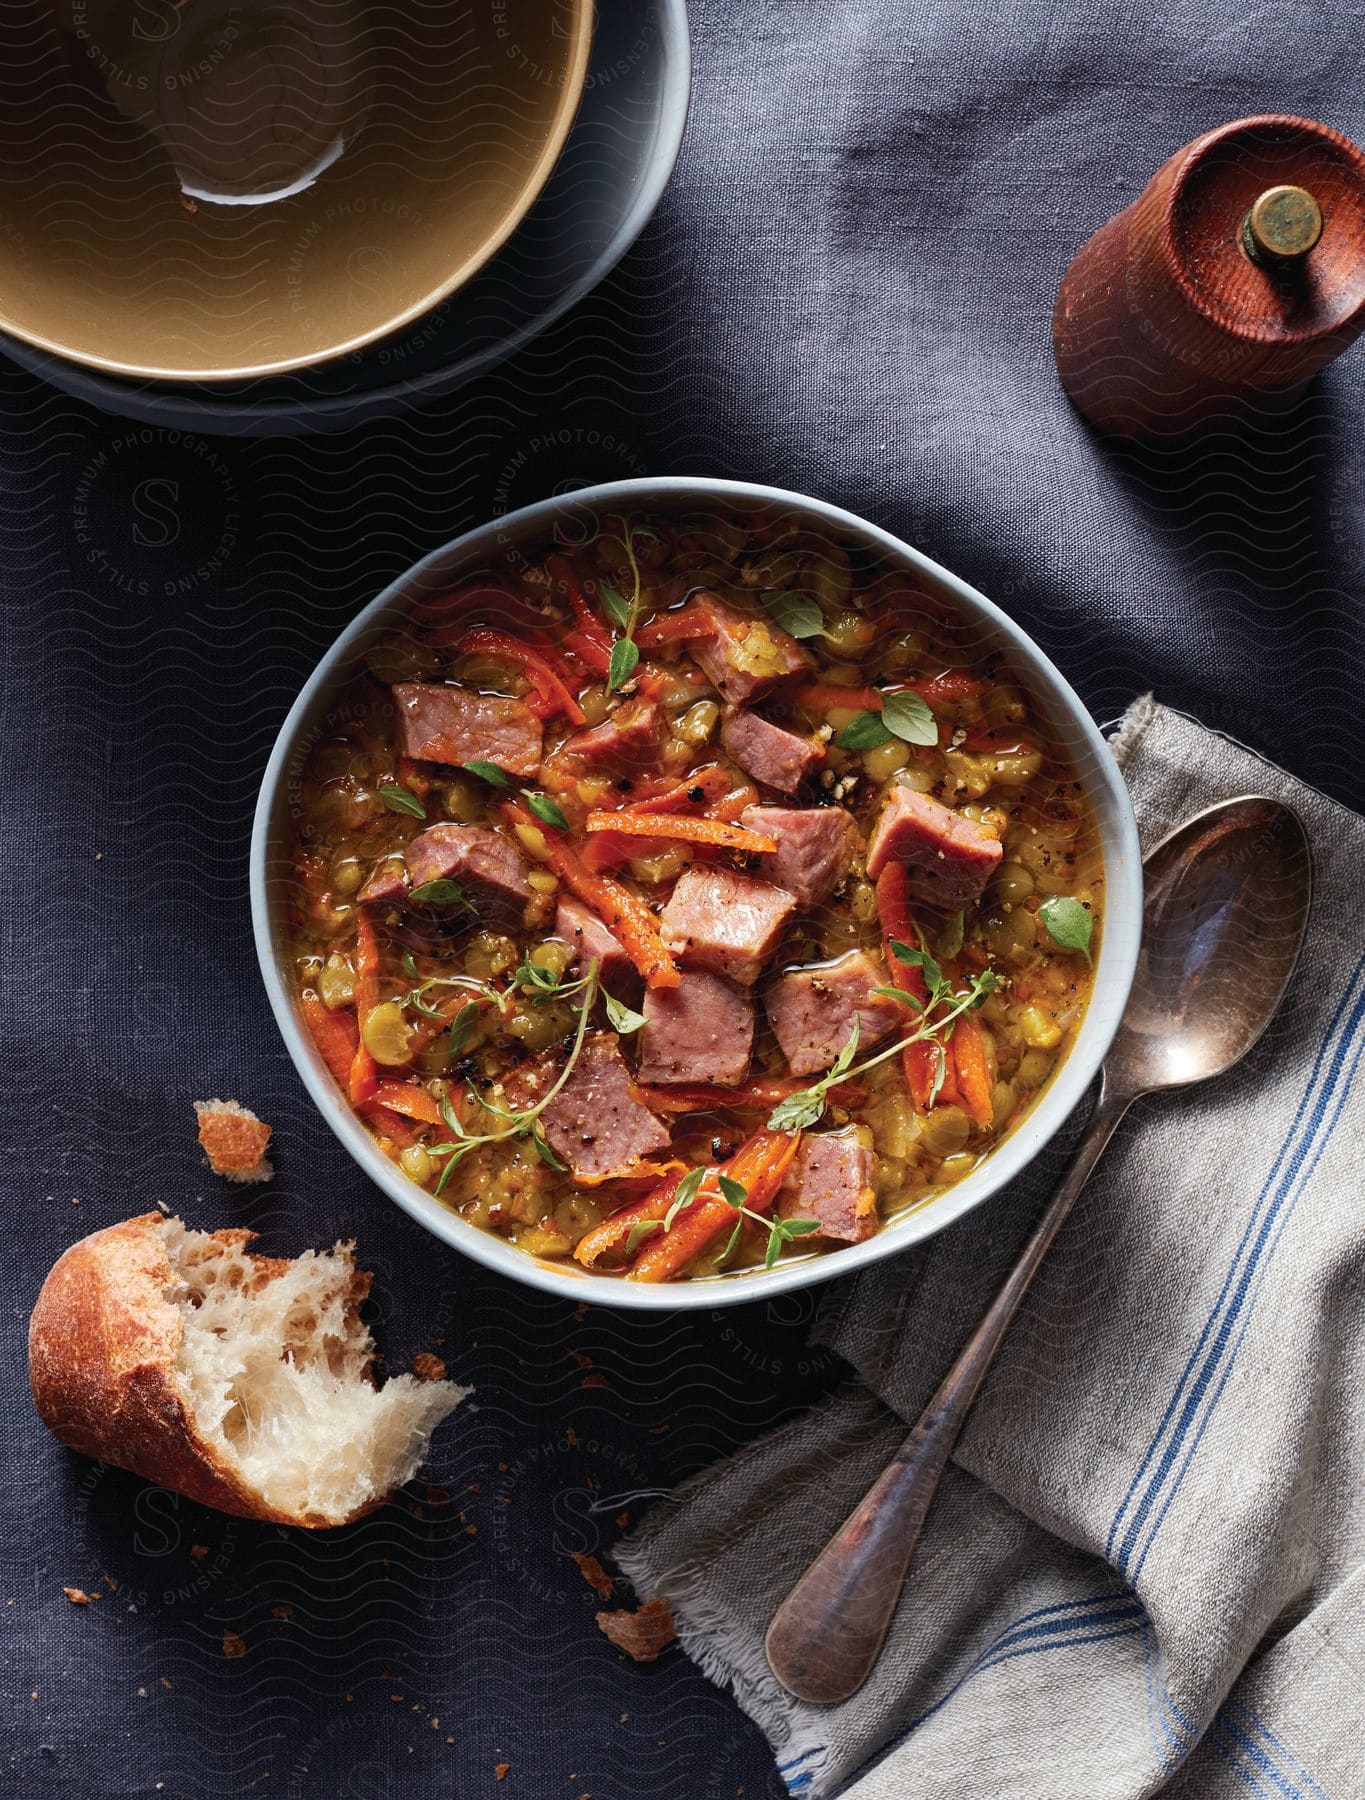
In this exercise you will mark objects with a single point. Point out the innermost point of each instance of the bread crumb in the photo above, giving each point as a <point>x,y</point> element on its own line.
<point>199,1551</point>
<point>77,1596</point>
<point>596,1380</point>
<point>500,1771</point>
<point>166,1683</point>
<point>281,1612</point>
<point>643,1634</point>
<point>233,1646</point>
<point>427,1367</point>
<point>234,1140</point>
<point>593,1573</point>
<point>622,1521</point>
<point>582,1358</point>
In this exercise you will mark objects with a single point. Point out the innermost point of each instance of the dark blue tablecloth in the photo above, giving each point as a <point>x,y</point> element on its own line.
<point>847,291</point>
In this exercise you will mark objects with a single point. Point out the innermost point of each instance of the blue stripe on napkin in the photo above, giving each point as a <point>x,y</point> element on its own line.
<point>1301,1149</point>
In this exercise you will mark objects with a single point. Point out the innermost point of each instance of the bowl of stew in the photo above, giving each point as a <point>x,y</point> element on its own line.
<point>683,890</point>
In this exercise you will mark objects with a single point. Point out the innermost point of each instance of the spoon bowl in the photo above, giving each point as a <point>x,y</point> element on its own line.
<point>1227,899</point>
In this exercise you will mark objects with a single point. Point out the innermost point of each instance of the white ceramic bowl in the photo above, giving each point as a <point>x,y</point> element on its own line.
<point>1095,766</point>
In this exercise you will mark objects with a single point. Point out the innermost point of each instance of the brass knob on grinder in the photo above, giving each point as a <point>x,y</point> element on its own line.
<point>1283,225</point>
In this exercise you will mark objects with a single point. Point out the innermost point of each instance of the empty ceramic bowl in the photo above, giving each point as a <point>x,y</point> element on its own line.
<point>224,188</point>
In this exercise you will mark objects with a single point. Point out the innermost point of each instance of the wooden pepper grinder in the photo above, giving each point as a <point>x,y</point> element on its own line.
<point>1237,273</point>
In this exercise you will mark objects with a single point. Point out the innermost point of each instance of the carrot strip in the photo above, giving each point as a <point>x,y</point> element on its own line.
<point>968,1057</point>
<point>616,842</point>
<point>997,741</point>
<point>337,1038</point>
<point>607,851</point>
<point>591,638</point>
<point>683,625</point>
<point>680,825</point>
<point>826,696</point>
<point>364,1077</point>
<point>734,803</point>
<point>701,786</point>
<point>759,1164</point>
<point>407,1098</point>
<point>897,921</point>
<point>588,650</point>
<point>390,1124</point>
<point>624,913</point>
<point>951,685</point>
<point>938,690</point>
<point>594,1244</point>
<point>758,1095</point>
<point>919,1062</point>
<point>546,646</point>
<point>335,1035</point>
<point>553,696</point>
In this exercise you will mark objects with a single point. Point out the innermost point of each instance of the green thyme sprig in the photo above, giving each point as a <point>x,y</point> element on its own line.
<point>623,611</point>
<point>541,984</point>
<point>522,1122</point>
<point>938,1013</point>
<point>780,1231</point>
<point>415,1000</point>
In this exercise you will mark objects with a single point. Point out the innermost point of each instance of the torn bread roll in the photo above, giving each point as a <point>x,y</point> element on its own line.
<point>243,1381</point>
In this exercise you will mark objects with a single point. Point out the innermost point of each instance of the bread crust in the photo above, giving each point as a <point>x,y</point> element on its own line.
<point>102,1348</point>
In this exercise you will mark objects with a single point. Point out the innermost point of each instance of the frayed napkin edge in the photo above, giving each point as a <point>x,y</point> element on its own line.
<point>1133,726</point>
<point>711,1637</point>
<point>708,1633</point>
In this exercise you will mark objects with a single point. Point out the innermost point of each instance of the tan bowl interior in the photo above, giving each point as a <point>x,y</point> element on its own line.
<point>212,189</point>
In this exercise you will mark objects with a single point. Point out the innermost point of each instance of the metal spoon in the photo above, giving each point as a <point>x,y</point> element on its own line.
<point>1227,900</point>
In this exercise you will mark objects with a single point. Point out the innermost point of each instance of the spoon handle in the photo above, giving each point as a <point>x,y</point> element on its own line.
<point>826,1635</point>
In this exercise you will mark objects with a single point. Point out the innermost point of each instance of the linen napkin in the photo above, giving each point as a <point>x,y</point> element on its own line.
<point>1145,1568</point>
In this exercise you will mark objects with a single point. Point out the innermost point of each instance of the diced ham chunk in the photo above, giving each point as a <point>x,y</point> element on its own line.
<point>834,1180</point>
<point>948,859</point>
<point>451,725</point>
<point>632,738</point>
<point>812,1010</point>
<point>725,922</point>
<point>589,939</point>
<point>596,1123</point>
<point>742,656</point>
<point>702,1030</point>
<point>779,759</point>
<point>482,861</point>
<point>386,886</point>
<point>814,847</point>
